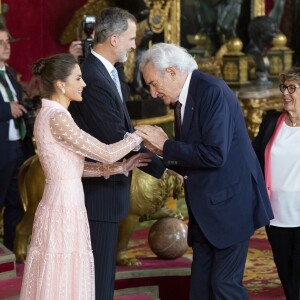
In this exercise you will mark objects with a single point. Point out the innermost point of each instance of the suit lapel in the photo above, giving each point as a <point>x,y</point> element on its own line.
<point>107,76</point>
<point>95,61</point>
<point>187,117</point>
<point>189,108</point>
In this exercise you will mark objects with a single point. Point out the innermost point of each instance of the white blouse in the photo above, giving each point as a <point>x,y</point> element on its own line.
<point>285,177</point>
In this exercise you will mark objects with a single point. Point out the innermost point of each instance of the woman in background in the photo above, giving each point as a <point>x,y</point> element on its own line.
<point>59,263</point>
<point>277,147</point>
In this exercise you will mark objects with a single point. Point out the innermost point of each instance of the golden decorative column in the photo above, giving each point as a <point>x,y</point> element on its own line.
<point>235,64</point>
<point>280,57</point>
<point>255,103</point>
<point>165,17</point>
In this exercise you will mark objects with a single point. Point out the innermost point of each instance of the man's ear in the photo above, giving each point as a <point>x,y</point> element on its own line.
<point>113,39</point>
<point>172,72</point>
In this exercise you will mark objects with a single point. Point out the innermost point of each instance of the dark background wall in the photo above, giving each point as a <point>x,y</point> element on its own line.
<point>41,22</point>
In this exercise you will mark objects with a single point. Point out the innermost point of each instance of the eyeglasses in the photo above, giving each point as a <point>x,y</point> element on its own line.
<point>291,88</point>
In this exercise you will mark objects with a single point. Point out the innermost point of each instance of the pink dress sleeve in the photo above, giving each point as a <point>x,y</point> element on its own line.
<point>98,169</point>
<point>68,134</point>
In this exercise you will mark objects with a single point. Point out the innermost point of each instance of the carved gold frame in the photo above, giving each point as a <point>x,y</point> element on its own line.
<point>165,17</point>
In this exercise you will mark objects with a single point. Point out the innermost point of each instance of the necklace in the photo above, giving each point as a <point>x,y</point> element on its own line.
<point>293,123</point>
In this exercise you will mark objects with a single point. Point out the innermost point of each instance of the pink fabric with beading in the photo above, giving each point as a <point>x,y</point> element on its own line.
<point>59,263</point>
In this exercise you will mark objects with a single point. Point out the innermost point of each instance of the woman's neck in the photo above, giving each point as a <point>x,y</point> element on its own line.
<point>61,99</point>
<point>293,120</point>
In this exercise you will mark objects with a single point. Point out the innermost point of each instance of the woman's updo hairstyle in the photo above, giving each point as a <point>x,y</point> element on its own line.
<point>51,69</point>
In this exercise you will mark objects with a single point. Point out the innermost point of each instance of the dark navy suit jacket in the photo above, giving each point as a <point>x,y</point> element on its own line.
<point>224,185</point>
<point>5,117</point>
<point>103,114</point>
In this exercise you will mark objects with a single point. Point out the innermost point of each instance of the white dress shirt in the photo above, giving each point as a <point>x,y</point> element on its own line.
<point>183,95</point>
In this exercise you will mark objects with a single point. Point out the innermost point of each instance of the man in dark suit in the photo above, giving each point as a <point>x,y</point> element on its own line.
<point>103,114</point>
<point>16,145</point>
<point>224,186</point>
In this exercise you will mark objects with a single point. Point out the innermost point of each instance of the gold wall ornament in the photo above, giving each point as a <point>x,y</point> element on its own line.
<point>280,57</point>
<point>210,65</point>
<point>165,17</point>
<point>159,12</point>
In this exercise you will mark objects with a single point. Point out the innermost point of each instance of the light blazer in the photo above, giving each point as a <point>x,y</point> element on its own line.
<point>103,115</point>
<point>224,185</point>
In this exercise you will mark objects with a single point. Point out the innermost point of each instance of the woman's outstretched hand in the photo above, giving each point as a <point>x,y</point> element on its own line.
<point>136,161</point>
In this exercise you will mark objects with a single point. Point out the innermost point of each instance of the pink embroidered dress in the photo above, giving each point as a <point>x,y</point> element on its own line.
<point>59,263</point>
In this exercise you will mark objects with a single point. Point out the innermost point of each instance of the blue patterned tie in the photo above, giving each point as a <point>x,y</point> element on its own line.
<point>115,77</point>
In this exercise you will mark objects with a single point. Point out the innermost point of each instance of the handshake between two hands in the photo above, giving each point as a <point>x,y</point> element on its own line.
<point>154,137</point>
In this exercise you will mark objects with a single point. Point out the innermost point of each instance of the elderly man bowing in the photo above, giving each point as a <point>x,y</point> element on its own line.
<point>224,186</point>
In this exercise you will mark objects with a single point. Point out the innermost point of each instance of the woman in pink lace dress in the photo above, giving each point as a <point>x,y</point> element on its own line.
<point>59,263</point>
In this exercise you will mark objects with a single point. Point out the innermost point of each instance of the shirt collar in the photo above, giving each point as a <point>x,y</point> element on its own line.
<point>107,64</point>
<point>185,89</point>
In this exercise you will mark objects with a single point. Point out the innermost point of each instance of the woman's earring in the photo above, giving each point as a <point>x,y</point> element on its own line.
<point>63,91</point>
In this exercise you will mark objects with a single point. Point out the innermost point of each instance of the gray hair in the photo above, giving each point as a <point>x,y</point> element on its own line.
<point>291,74</point>
<point>163,55</point>
<point>112,20</point>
